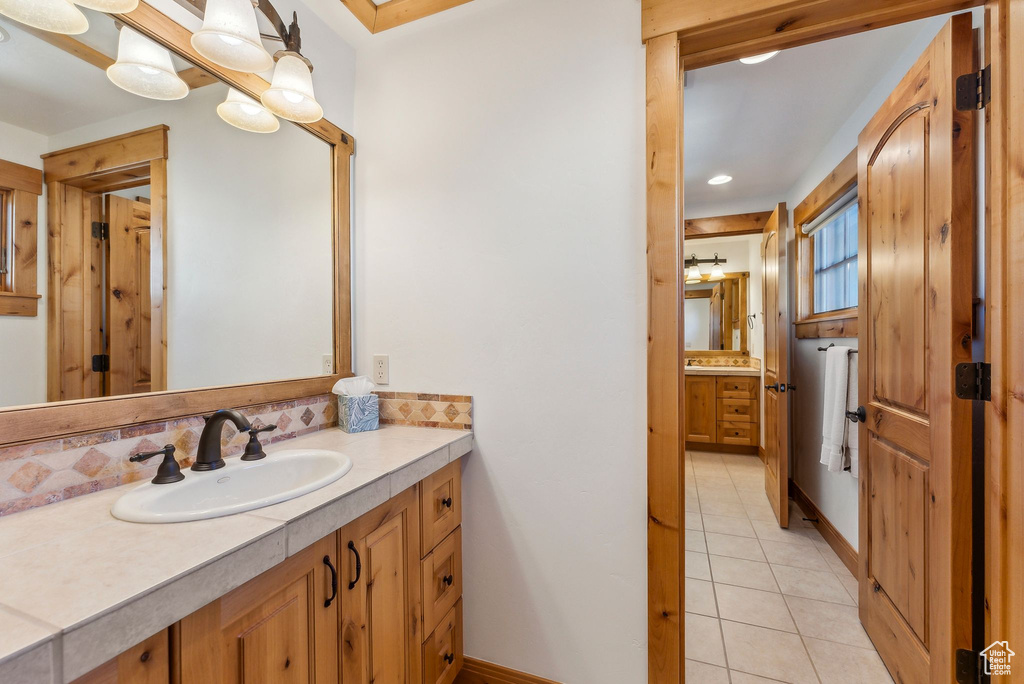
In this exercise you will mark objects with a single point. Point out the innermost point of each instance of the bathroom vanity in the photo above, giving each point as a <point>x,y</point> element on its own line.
<point>723,408</point>
<point>358,581</point>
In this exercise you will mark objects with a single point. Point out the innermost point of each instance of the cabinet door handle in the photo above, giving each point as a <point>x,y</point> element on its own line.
<point>447,503</point>
<point>448,580</point>
<point>449,658</point>
<point>334,582</point>
<point>359,566</point>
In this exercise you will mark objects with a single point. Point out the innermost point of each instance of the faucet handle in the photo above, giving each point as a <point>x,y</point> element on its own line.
<point>254,450</point>
<point>169,470</point>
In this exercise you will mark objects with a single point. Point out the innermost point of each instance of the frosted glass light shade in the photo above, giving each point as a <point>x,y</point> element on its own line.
<point>693,274</point>
<point>118,6</point>
<point>55,16</point>
<point>241,111</point>
<point>290,94</point>
<point>144,68</point>
<point>230,37</point>
<point>717,272</point>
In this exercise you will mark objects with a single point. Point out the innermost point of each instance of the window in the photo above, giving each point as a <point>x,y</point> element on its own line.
<point>834,245</point>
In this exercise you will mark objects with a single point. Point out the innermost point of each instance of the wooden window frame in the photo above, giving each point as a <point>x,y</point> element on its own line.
<point>21,186</point>
<point>21,424</point>
<point>842,322</point>
<point>703,34</point>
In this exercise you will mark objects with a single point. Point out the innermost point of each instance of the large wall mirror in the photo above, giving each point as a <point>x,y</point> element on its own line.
<point>174,250</point>
<point>716,316</point>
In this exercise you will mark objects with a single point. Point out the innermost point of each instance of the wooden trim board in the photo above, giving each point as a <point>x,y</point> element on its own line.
<point>388,15</point>
<point>721,226</point>
<point>828,531</point>
<point>481,672</point>
<point>827,325</point>
<point>22,424</point>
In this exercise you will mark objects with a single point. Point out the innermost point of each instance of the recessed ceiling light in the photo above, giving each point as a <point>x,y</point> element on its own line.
<point>720,180</point>
<point>757,59</point>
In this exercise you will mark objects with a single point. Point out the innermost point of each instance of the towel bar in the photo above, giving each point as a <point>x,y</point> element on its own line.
<point>852,351</point>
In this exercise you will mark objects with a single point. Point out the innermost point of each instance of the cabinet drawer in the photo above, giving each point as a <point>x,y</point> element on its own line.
<point>442,580</point>
<point>442,651</point>
<point>738,386</point>
<point>730,432</point>
<point>737,410</point>
<point>441,505</point>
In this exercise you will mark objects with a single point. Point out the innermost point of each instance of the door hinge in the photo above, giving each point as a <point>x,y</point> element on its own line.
<point>970,667</point>
<point>101,363</point>
<point>100,230</point>
<point>974,381</point>
<point>974,90</point>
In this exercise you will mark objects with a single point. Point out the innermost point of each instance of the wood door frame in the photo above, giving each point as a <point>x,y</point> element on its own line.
<point>705,34</point>
<point>21,424</point>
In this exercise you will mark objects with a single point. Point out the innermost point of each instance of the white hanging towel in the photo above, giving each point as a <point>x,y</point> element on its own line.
<point>853,429</point>
<point>833,414</point>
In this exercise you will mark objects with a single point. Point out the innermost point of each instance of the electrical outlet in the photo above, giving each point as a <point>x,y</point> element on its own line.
<point>328,362</point>
<point>380,369</point>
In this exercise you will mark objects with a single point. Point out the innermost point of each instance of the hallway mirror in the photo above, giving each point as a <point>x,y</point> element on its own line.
<point>180,237</point>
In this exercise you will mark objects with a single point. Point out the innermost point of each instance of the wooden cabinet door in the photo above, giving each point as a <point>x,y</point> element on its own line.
<point>146,663</point>
<point>916,169</point>
<point>776,364</point>
<point>380,594</point>
<point>700,408</point>
<point>280,628</point>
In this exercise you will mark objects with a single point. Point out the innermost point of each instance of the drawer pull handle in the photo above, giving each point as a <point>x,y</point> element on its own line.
<point>449,658</point>
<point>448,580</point>
<point>447,503</point>
<point>359,566</point>
<point>334,582</point>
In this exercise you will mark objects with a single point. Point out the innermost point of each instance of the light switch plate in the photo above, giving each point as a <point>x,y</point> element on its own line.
<point>380,369</point>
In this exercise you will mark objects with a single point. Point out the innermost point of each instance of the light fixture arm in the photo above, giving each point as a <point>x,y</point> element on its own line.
<point>694,260</point>
<point>289,35</point>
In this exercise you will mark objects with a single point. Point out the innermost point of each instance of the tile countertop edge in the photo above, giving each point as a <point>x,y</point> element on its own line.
<point>78,648</point>
<point>718,370</point>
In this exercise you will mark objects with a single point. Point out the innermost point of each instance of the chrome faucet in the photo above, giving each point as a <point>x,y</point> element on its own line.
<point>209,456</point>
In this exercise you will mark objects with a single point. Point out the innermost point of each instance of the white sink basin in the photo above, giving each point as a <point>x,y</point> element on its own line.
<point>237,487</point>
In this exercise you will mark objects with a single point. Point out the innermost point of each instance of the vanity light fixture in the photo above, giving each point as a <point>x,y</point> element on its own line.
<point>290,94</point>
<point>55,16</point>
<point>114,6</point>
<point>693,273</point>
<point>757,59</point>
<point>241,111</point>
<point>230,37</point>
<point>717,273</point>
<point>144,68</point>
<point>719,180</point>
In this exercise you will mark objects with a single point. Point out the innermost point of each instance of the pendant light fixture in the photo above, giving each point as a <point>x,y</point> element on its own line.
<point>115,6</point>
<point>230,37</point>
<point>290,95</point>
<point>145,68</point>
<point>55,16</point>
<point>241,111</point>
<point>716,270</point>
<point>693,273</point>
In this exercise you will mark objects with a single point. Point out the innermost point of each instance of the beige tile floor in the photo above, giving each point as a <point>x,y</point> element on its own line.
<point>764,604</point>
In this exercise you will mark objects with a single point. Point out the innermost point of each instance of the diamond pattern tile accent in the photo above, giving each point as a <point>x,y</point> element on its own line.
<point>29,476</point>
<point>92,462</point>
<point>307,416</point>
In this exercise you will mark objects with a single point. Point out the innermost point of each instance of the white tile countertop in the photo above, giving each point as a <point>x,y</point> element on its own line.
<point>78,587</point>
<point>722,370</point>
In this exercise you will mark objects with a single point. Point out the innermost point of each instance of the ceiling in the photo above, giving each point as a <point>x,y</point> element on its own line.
<point>764,124</point>
<point>49,91</point>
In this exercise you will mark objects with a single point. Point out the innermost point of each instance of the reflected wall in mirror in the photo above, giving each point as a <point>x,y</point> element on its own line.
<point>174,250</point>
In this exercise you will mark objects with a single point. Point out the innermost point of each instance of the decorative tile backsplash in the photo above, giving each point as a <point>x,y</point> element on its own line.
<point>45,472</point>
<point>738,361</point>
<point>453,411</point>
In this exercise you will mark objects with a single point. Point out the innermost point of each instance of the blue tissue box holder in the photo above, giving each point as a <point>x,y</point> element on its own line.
<point>358,414</point>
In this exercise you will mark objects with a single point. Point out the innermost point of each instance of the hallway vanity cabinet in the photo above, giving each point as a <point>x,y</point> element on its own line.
<point>379,600</point>
<point>722,411</point>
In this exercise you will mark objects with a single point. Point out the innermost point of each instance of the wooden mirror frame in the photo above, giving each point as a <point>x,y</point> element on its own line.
<point>20,424</point>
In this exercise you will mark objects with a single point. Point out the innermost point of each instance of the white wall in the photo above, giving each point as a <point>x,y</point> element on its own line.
<point>696,324</point>
<point>23,338</point>
<point>500,253</point>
